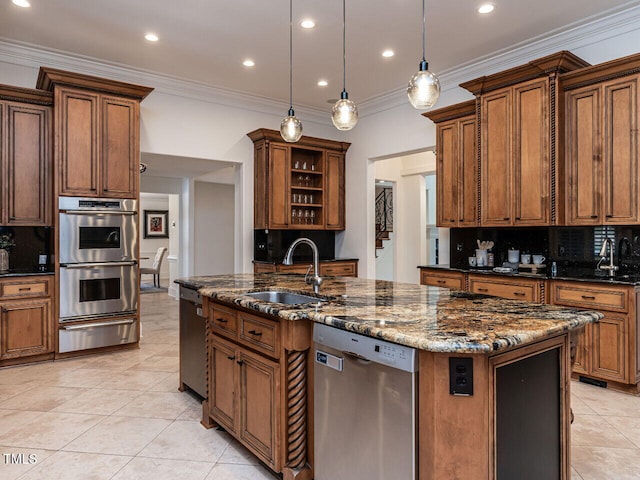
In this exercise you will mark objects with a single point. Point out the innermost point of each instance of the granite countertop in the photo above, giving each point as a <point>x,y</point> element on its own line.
<point>23,273</point>
<point>427,318</point>
<point>571,274</point>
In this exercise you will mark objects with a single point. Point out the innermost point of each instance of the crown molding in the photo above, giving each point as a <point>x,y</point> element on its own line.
<point>570,37</point>
<point>33,56</point>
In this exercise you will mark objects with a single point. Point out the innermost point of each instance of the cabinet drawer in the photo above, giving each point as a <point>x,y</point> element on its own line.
<point>435,278</point>
<point>260,333</point>
<point>591,296</point>
<point>224,321</point>
<point>520,290</point>
<point>338,270</point>
<point>24,288</point>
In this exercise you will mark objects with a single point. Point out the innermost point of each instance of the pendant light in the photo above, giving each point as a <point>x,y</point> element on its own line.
<point>344,113</point>
<point>424,87</point>
<point>291,126</point>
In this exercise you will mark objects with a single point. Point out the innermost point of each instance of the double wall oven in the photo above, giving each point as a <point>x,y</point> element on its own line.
<point>98,272</point>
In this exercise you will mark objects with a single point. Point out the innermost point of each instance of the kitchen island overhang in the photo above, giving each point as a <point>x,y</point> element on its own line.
<point>459,436</point>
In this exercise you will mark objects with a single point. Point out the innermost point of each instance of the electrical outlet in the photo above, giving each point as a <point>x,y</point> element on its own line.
<point>459,247</point>
<point>461,376</point>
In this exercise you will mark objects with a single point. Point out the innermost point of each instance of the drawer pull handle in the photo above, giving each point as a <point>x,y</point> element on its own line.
<point>483,289</point>
<point>221,320</point>
<point>240,362</point>
<point>588,297</point>
<point>519,294</point>
<point>232,358</point>
<point>25,289</point>
<point>256,333</point>
<point>441,281</point>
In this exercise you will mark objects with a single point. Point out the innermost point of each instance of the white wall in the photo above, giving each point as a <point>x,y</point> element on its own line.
<point>214,228</point>
<point>409,210</point>
<point>149,246</point>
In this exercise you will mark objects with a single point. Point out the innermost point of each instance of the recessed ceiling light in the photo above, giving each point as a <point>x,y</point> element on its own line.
<point>249,63</point>
<point>486,8</point>
<point>388,53</point>
<point>308,23</point>
<point>152,37</point>
<point>322,83</point>
<point>21,3</point>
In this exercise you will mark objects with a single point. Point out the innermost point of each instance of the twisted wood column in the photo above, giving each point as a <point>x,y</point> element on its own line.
<point>296,409</point>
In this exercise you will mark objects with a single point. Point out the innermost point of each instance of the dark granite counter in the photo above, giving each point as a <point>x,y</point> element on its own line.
<point>574,274</point>
<point>22,273</point>
<point>427,318</point>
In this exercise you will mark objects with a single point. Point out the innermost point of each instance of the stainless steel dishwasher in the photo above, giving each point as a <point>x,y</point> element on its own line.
<point>193,347</point>
<point>365,406</point>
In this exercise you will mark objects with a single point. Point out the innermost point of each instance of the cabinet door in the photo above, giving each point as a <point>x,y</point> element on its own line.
<point>77,141</point>
<point>334,216</point>
<point>222,383</point>
<point>25,328</point>
<point>468,172</point>
<point>259,405</point>
<point>28,181</point>
<point>620,152</point>
<point>582,361</point>
<point>531,159</point>
<point>582,156</point>
<point>279,178</point>
<point>447,174</point>
<point>119,150</point>
<point>495,159</point>
<point>609,348</point>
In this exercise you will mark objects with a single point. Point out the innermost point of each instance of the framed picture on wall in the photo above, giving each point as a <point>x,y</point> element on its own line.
<point>155,224</point>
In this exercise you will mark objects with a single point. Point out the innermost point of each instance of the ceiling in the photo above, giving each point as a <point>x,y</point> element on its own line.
<point>205,41</point>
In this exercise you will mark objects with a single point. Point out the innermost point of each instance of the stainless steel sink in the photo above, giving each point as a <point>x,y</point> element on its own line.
<point>286,298</point>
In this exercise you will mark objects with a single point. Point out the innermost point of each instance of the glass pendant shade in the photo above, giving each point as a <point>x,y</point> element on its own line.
<point>291,128</point>
<point>344,113</point>
<point>424,88</point>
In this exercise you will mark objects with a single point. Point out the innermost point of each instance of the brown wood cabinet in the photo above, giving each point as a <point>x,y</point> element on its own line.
<point>457,165</point>
<point>25,150</point>
<point>519,122</point>
<point>438,277</point>
<point>26,330</point>
<point>97,139</point>
<point>257,385</point>
<point>298,186</point>
<point>329,268</point>
<point>602,144</point>
<point>608,350</point>
<point>514,288</point>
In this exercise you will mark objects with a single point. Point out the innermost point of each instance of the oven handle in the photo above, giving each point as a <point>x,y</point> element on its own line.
<point>98,212</point>
<point>101,324</point>
<point>98,264</point>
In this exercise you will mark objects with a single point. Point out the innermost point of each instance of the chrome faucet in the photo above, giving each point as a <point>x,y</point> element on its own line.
<point>315,280</point>
<point>603,256</point>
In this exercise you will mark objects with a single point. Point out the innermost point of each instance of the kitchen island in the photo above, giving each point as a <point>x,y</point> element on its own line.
<point>516,356</point>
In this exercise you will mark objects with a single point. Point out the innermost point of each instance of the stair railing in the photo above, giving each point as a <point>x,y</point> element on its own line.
<point>384,212</point>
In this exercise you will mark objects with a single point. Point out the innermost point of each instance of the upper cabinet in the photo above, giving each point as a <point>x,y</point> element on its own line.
<point>25,152</point>
<point>457,165</point>
<point>97,141</point>
<point>602,143</point>
<point>298,186</point>
<point>520,158</point>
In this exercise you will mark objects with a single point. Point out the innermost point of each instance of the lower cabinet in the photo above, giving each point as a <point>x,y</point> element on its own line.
<point>514,288</point>
<point>258,385</point>
<point>25,318</point>
<point>331,268</point>
<point>608,350</point>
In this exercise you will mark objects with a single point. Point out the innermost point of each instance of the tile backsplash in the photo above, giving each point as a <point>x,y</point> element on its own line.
<point>568,246</point>
<point>30,243</point>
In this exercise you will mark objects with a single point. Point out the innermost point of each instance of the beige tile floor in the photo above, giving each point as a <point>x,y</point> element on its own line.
<point>119,416</point>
